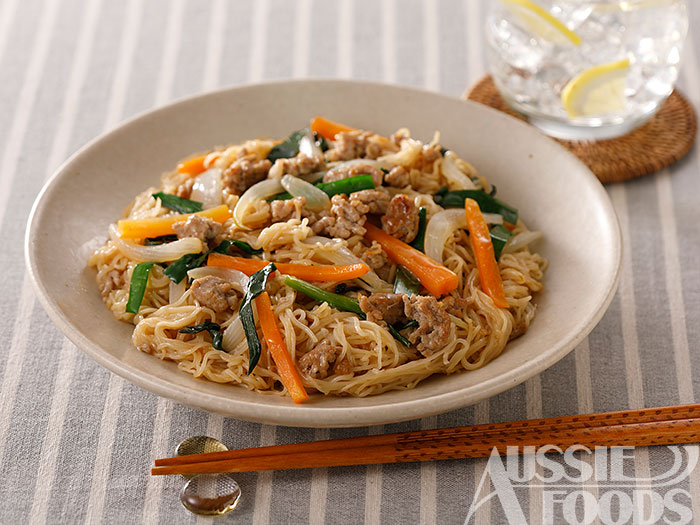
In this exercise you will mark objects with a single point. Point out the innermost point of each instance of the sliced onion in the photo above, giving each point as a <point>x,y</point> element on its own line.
<point>440,227</point>
<point>236,278</point>
<point>233,334</point>
<point>520,241</point>
<point>207,188</point>
<point>492,218</point>
<point>170,251</point>
<point>443,224</point>
<point>261,190</point>
<point>316,199</point>
<point>308,146</point>
<point>176,291</point>
<point>455,177</point>
<point>342,256</point>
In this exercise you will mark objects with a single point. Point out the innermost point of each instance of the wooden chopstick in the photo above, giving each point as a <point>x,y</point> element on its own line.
<point>651,426</point>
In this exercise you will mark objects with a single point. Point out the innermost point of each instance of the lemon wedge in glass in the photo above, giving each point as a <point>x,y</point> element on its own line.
<point>541,23</point>
<point>599,90</point>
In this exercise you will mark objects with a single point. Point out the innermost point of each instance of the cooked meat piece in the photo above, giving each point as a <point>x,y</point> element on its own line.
<point>299,165</point>
<point>375,256</point>
<point>377,200</point>
<point>215,293</point>
<point>353,170</point>
<point>345,220</point>
<point>387,307</point>
<point>401,218</point>
<point>316,363</point>
<point>203,228</point>
<point>455,305</point>
<point>342,368</point>
<point>244,172</point>
<point>433,323</point>
<point>397,177</point>
<point>114,281</point>
<point>359,144</point>
<point>282,211</point>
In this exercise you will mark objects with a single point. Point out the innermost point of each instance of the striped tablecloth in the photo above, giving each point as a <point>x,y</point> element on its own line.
<point>76,441</point>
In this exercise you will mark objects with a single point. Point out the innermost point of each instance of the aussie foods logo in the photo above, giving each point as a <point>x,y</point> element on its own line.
<point>583,486</point>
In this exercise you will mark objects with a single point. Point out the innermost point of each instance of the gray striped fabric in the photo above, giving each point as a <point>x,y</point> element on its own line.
<point>76,441</point>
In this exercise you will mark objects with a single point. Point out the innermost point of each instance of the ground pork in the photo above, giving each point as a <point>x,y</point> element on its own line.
<point>318,362</point>
<point>282,211</point>
<point>387,307</point>
<point>244,172</point>
<point>375,256</point>
<point>401,218</point>
<point>345,219</point>
<point>433,323</point>
<point>299,165</point>
<point>215,293</point>
<point>359,144</point>
<point>203,228</point>
<point>376,200</point>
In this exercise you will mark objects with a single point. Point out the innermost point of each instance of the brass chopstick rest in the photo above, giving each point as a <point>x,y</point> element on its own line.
<point>207,494</point>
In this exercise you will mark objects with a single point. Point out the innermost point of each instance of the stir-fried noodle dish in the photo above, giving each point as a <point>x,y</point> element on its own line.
<point>335,261</point>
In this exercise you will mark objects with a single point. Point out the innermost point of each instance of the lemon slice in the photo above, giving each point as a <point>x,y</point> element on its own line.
<point>541,23</point>
<point>599,90</point>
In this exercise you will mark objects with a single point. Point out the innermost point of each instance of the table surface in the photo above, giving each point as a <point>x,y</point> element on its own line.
<point>76,441</point>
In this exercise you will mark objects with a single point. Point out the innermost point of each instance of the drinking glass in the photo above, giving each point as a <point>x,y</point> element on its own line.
<point>586,69</point>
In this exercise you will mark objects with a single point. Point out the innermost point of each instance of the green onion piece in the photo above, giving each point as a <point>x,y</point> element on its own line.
<point>256,286</point>
<point>339,302</point>
<point>499,238</point>
<point>321,142</point>
<point>405,282</point>
<point>419,242</point>
<point>411,323</point>
<point>396,335</point>
<point>153,241</point>
<point>244,247</point>
<point>288,148</point>
<point>178,204</point>
<point>487,203</point>
<point>346,186</point>
<point>214,331</point>
<point>137,287</point>
<point>177,270</point>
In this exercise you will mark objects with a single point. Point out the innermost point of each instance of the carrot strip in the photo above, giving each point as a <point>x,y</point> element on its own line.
<point>436,278</point>
<point>302,271</point>
<point>482,246</point>
<point>327,128</point>
<point>193,166</point>
<point>157,226</point>
<point>278,350</point>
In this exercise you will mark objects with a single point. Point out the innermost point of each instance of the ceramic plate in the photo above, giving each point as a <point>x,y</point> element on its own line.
<point>553,191</point>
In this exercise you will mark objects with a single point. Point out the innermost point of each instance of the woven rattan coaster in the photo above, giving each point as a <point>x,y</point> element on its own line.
<point>660,142</point>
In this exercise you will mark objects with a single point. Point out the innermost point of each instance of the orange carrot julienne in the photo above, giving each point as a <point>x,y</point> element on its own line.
<point>193,166</point>
<point>157,226</point>
<point>327,128</point>
<point>436,278</point>
<point>302,271</point>
<point>482,246</point>
<point>278,350</point>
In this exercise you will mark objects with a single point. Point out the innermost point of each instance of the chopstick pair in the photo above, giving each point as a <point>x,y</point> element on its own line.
<point>643,427</point>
